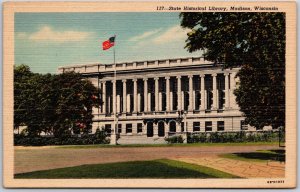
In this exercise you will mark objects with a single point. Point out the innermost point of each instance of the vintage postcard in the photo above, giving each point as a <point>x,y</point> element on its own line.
<point>149,94</point>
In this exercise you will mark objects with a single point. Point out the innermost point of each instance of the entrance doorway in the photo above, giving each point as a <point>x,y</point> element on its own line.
<point>161,129</point>
<point>150,129</point>
<point>172,126</point>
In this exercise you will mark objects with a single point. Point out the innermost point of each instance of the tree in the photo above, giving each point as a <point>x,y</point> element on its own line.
<point>73,103</point>
<point>256,43</point>
<point>26,106</point>
<point>54,104</point>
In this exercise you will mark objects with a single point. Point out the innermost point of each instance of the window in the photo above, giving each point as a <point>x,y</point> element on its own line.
<point>220,82</point>
<point>107,128</point>
<point>208,82</point>
<point>209,100</point>
<point>197,100</point>
<point>139,127</point>
<point>220,125</point>
<point>186,100</point>
<point>196,126</point>
<point>128,128</point>
<point>131,102</point>
<point>208,126</point>
<point>221,99</point>
<point>119,128</point>
<point>164,99</point>
<point>244,126</point>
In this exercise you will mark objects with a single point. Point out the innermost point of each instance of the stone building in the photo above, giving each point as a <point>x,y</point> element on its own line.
<point>150,100</point>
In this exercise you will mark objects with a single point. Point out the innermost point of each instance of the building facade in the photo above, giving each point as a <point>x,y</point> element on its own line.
<point>151,100</point>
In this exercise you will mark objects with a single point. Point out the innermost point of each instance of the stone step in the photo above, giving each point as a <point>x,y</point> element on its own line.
<point>129,139</point>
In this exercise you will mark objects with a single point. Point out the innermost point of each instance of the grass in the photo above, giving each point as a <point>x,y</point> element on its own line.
<point>258,156</point>
<point>169,145</point>
<point>163,168</point>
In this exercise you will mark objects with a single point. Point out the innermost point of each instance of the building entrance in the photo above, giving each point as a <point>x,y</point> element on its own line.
<point>161,129</point>
<point>150,129</point>
<point>172,126</point>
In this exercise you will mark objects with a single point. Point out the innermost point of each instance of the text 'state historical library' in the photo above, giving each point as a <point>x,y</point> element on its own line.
<point>159,98</point>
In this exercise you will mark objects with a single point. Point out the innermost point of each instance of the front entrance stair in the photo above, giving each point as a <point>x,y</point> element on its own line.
<point>140,139</point>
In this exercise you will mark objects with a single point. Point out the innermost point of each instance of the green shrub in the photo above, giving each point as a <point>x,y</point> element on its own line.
<point>232,137</point>
<point>174,139</point>
<point>100,137</point>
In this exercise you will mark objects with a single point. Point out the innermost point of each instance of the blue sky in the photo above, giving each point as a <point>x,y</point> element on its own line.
<point>45,41</point>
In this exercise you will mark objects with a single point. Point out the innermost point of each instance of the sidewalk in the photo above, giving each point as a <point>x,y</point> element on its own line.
<point>245,169</point>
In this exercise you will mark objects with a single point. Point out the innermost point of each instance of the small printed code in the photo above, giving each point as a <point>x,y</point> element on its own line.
<point>276,181</point>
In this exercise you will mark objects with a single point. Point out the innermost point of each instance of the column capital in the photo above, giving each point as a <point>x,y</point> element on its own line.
<point>134,80</point>
<point>124,80</point>
<point>214,74</point>
<point>190,76</point>
<point>145,79</point>
<point>233,73</point>
<point>167,77</point>
<point>113,81</point>
<point>202,75</point>
<point>178,76</point>
<point>226,73</point>
<point>156,78</point>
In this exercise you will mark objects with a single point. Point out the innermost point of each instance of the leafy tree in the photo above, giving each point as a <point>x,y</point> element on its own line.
<point>73,103</point>
<point>26,107</point>
<point>54,104</point>
<point>256,43</point>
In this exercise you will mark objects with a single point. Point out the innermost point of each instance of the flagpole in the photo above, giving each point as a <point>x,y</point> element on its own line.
<point>115,79</point>
<point>115,96</point>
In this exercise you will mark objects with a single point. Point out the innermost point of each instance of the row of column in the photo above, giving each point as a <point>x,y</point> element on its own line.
<point>229,96</point>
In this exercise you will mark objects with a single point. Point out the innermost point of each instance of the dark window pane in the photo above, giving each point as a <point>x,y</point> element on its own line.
<point>196,126</point>
<point>128,128</point>
<point>220,126</point>
<point>208,126</point>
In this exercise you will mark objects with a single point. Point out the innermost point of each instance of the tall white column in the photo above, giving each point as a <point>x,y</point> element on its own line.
<point>159,101</point>
<point>179,92</point>
<point>149,102</point>
<point>118,103</point>
<point>226,90</point>
<point>134,95</point>
<point>104,97</point>
<point>128,103</point>
<point>232,88</point>
<point>156,93</point>
<point>124,96</point>
<point>171,101</point>
<point>114,83</point>
<point>167,93</point>
<point>202,92</point>
<point>139,102</point>
<point>215,94</point>
<point>155,130</point>
<point>191,106</point>
<point>145,94</point>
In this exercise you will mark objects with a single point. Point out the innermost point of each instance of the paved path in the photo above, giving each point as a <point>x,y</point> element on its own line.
<point>29,159</point>
<point>245,169</point>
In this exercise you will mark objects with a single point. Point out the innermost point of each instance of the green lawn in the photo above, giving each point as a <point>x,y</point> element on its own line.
<point>163,168</point>
<point>258,156</point>
<point>169,145</point>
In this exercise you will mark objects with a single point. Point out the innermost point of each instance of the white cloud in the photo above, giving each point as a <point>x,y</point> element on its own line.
<point>46,33</point>
<point>172,34</point>
<point>144,35</point>
<point>21,35</point>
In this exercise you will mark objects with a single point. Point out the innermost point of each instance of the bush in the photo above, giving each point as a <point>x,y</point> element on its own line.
<point>174,139</point>
<point>232,137</point>
<point>100,137</point>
